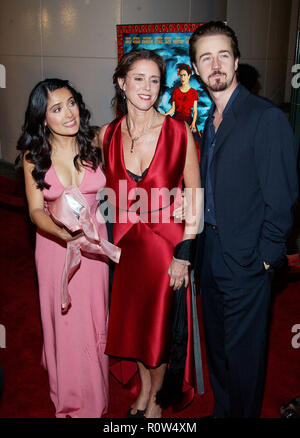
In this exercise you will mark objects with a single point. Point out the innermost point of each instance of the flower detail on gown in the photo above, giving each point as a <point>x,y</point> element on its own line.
<point>71,210</point>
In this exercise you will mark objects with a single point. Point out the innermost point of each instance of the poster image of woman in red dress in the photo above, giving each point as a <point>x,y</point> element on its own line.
<point>184,99</point>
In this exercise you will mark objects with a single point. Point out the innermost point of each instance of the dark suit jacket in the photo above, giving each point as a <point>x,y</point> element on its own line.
<point>255,182</point>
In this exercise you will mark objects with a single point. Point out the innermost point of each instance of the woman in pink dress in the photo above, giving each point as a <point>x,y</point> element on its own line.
<point>56,152</point>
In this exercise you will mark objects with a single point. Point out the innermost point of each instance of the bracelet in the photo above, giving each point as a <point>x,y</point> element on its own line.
<point>184,263</point>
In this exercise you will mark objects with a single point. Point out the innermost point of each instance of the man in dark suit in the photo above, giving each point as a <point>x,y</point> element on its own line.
<point>249,172</point>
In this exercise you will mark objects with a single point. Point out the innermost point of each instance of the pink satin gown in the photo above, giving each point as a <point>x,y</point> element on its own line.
<point>74,343</point>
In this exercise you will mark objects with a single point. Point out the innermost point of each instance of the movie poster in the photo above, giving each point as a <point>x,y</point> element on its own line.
<point>171,41</point>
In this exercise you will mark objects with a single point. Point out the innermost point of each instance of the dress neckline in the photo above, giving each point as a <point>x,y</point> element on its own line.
<point>57,177</point>
<point>184,92</point>
<point>135,177</point>
<point>152,160</point>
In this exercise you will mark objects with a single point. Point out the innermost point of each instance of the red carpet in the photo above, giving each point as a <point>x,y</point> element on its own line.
<point>26,384</point>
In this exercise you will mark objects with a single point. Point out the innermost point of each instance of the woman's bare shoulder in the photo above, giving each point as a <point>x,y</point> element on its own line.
<point>101,133</point>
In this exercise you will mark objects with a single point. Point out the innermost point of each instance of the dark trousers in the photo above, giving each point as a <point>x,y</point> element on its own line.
<point>236,324</point>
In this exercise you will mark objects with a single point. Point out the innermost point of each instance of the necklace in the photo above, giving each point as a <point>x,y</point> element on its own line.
<point>133,139</point>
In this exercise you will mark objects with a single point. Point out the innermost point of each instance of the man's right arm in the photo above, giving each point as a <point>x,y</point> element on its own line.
<point>276,163</point>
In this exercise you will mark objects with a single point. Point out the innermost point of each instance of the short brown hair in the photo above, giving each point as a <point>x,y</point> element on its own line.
<point>213,28</point>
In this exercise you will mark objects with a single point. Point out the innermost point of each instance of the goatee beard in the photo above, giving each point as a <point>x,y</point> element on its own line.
<point>218,85</point>
<point>221,86</point>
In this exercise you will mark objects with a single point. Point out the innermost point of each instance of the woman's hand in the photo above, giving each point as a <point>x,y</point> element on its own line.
<point>179,274</point>
<point>180,212</point>
<point>68,237</point>
<point>193,127</point>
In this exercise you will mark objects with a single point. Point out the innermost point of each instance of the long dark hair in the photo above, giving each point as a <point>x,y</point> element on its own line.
<point>35,135</point>
<point>124,66</point>
<point>184,67</point>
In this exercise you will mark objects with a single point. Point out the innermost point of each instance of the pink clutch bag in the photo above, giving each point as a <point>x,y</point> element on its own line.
<point>72,211</point>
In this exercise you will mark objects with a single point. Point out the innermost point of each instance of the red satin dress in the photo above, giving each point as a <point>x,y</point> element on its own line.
<point>141,300</point>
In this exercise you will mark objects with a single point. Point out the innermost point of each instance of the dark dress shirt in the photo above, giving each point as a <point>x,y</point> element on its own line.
<point>210,141</point>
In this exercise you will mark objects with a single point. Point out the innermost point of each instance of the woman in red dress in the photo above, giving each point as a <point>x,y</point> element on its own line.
<point>185,99</point>
<point>138,162</point>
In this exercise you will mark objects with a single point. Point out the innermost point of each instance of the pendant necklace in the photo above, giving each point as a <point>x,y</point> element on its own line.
<point>133,139</point>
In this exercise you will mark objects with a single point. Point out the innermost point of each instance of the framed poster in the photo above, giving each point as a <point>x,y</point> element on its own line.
<point>171,41</point>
